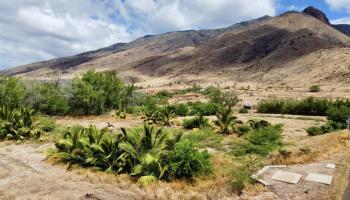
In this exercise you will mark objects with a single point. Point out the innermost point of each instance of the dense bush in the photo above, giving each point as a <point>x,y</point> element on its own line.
<point>12,92</point>
<point>96,93</point>
<point>48,98</point>
<point>199,121</point>
<point>314,130</point>
<point>185,160</point>
<point>180,109</point>
<point>329,127</point>
<point>308,106</point>
<point>205,109</point>
<point>339,114</point>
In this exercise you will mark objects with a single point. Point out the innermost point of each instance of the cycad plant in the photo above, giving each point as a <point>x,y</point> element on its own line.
<point>147,147</point>
<point>91,147</point>
<point>17,124</point>
<point>165,116</point>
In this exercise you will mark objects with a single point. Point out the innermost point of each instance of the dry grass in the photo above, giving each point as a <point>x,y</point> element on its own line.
<point>322,147</point>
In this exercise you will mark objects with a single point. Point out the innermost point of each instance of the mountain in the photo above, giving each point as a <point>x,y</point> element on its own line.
<point>344,28</point>
<point>271,50</point>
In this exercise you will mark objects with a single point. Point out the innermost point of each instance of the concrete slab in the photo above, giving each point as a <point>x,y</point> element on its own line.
<point>331,166</point>
<point>288,177</point>
<point>319,178</point>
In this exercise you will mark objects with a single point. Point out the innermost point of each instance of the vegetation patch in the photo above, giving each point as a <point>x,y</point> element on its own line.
<point>146,153</point>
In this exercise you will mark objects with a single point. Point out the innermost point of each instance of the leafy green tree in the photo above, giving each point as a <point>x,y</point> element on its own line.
<point>96,93</point>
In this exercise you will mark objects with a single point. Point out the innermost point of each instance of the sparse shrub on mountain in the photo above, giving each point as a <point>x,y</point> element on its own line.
<point>314,88</point>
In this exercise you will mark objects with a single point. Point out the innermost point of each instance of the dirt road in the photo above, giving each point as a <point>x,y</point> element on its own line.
<point>24,175</point>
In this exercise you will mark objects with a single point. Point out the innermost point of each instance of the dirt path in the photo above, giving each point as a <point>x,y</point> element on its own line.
<point>24,175</point>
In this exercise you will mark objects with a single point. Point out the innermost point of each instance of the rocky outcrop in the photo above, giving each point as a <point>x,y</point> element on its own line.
<point>317,14</point>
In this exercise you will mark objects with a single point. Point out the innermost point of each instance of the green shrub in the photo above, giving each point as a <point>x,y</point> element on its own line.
<point>204,138</point>
<point>309,106</point>
<point>329,127</point>
<point>241,175</point>
<point>180,109</point>
<point>242,129</point>
<point>187,161</point>
<point>48,98</point>
<point>243,110</point>
<point>258,124</point>
<point>12,92</point>
<point>46,124</point>
<point>314,130</point>
<point>259,141</point>
<point>269,134</point>
<point>314,88</point>
<point>164,94</point>
<point>273,106</point>
<point>205,109</point>
<point>198,121</point>
<point>339,114</point>
<point>96,93</point>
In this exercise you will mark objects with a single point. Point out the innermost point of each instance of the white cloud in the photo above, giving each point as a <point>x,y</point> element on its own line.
<point>339,4</point>
<point>33,30</point>
<point>345,20</point>
<point>165,15</point>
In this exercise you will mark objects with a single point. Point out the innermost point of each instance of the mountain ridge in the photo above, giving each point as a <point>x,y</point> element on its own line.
<point>247,51</point>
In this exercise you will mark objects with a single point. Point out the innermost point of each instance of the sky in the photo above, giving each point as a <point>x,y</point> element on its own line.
<point>36,30</point>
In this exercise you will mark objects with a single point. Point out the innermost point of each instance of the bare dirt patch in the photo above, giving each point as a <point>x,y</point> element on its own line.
<point>24,175</point>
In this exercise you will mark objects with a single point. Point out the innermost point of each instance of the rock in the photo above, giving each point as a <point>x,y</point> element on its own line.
<point>317,14</point>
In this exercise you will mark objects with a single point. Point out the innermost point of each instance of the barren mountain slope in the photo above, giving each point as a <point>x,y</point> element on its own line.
<point>150,45</point>
<point>278,49</point>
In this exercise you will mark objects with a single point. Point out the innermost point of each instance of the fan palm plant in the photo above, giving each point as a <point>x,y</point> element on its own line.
<point>225,121</point>
<point>147,147</point>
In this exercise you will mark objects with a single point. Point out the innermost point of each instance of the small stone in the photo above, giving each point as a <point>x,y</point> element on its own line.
<point>331,166</point>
